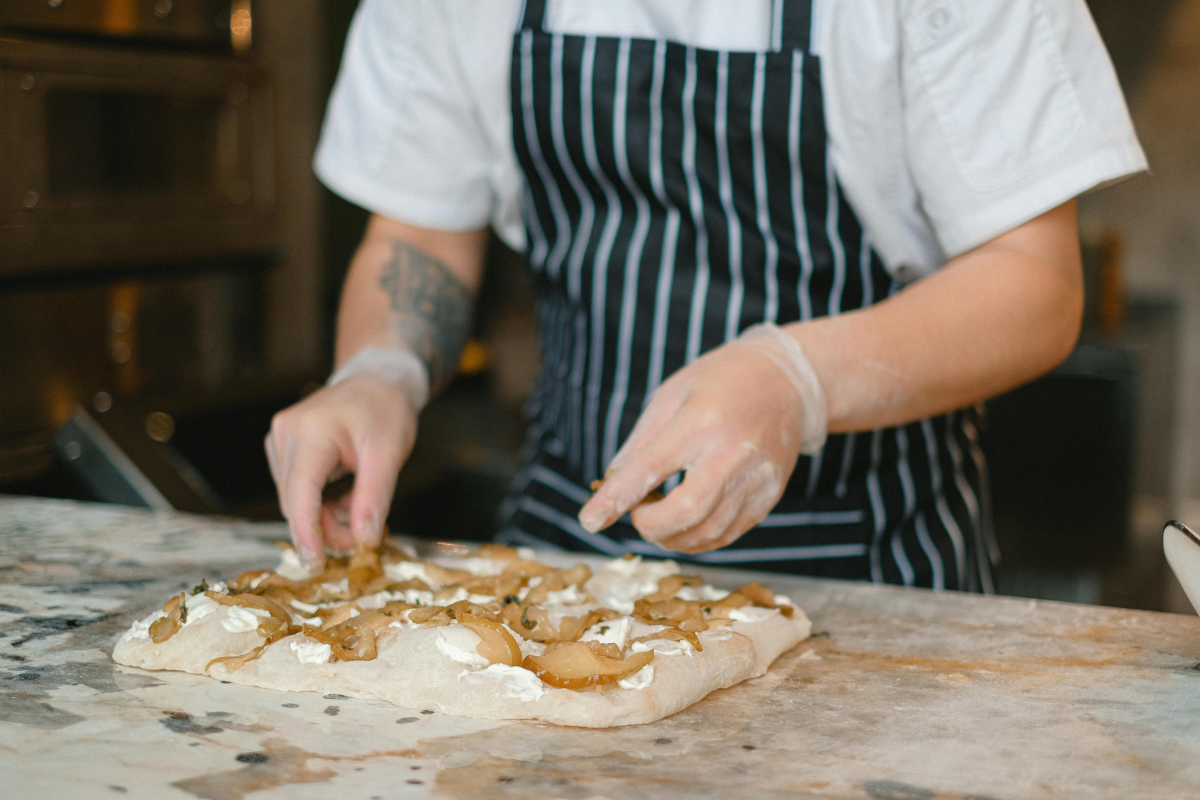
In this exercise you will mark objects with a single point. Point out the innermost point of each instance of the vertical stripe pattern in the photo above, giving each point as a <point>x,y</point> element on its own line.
<point>676,196</point>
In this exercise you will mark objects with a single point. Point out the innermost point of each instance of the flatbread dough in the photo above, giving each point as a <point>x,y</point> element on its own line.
<point>435,667</point>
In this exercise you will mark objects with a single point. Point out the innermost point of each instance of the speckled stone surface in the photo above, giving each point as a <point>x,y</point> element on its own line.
<point>901,695</point>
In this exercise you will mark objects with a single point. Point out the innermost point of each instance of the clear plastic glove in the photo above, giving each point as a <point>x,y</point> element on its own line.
<point>735,420</point>
<point>364,421</point>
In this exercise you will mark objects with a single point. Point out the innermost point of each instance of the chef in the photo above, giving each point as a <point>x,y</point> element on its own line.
<point>782,248</point>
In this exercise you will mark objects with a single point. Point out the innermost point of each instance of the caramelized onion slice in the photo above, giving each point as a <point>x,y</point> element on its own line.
<point>571,628</point>
<point>446,576</point>
<point>358,646</point>
<point>719,609</point>
<point>529,621</point>
<point>497,552</point>
<point>496,644</point>
<point>166,627</point>
<point>757,594</point>
<point>575,665</point>
<point>364,565</point>
<point>267,604</point>
<point>669,586</point>
<point>234,663</point>
<point>668,611</point>
<point>674,635</point>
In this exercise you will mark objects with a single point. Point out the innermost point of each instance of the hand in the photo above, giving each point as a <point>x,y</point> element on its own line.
<point>364,424</point>
<point>735,420</point>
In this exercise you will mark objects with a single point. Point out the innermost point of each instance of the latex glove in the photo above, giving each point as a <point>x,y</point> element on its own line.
<point>735,420</point>
<point>363,421</point>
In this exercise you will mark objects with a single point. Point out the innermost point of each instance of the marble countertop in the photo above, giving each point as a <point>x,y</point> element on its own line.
<point>901,694</point>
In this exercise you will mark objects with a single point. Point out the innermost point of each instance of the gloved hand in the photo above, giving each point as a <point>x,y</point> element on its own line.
<point>735,420</point>
<point>363,421</point>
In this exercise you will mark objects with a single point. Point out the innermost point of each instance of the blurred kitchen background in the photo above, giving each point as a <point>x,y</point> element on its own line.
<point>169,273</point>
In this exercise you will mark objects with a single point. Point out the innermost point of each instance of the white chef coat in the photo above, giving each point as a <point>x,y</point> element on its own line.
<point>950,121</point>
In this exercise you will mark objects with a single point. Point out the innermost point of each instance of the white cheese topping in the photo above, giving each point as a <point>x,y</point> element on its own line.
<point>638,680</point>
<point>479,567</point>
<point>298,619</point>
<point>407,570</point>
<point>664,647</point>
<point>570,596</point>
<point>307,608</point>
<point>612,632</point>
<point>141,627</point>
<point>311,652</point>
<point>459,644</point>
<point>291,567</point>
<point>527,553</point>
<point>528,646</point>
<point>640,629</point>
<point>716,635</point>
<point>259,579</point>
<point>341,587</point>
<point>242,619</point>
<point>783,600</point>
<point>752,614</point>
<point>199,606</point>
<point>704,592</point>
<point>530,585</point>
<point>415,597</point>
<point>624,581</point>
<point>516,682</point>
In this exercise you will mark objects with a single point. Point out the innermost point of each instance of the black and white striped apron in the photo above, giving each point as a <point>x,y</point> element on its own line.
<point>674,197</point>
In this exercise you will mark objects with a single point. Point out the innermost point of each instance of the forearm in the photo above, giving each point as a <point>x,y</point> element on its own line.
<point>990,320</point>
<point>411,288</point>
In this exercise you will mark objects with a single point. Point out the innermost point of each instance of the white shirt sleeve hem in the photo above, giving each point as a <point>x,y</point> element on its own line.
<point>462,214</point>
<point>1041,195</point>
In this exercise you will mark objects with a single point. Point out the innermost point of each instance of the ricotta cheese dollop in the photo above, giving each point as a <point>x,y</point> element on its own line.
<point>704,592</point>
<point>612,632</point>
<point>663,647</point>
<point>242,619</point>
<point>141,628</point>
<point>459,643</point>
<point>624,581</point>
<point>407,570</point>
<point>199,606</point>
<point>515,682</point>
<point>638,680</point>
<point>311,652</point>
<point>752,614</point>
<point>291,567</point>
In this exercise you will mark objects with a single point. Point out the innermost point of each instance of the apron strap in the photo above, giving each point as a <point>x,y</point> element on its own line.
<point>792,25</point>
<point>533,16</point>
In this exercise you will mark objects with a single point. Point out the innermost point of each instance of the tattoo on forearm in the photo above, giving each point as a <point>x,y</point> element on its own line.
<point>431,308</point>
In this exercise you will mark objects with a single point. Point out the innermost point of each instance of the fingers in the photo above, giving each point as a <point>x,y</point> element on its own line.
<point>335,524</point>
<point>724,494</point>
<point>304,471</point>
<point>713,537</point>
<point>663,405</point>
<point>374,484</point>
<point>643,469</point>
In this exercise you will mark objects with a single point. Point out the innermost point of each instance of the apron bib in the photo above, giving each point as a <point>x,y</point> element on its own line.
<point>675,196</point>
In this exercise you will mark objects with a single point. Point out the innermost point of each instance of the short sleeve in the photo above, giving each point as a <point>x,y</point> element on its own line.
<point>1010,108</point>
<point>418,127</point>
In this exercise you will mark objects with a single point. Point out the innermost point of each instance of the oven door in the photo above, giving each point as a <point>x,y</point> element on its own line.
<point>117,158</point>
